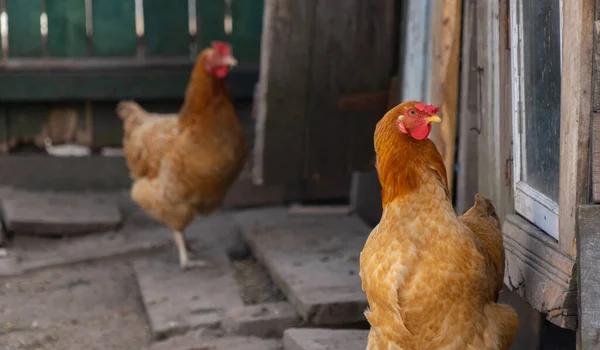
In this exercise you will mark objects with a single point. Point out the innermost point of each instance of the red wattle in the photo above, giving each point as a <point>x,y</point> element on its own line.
<point>421,132</point>
<point>221,71</point>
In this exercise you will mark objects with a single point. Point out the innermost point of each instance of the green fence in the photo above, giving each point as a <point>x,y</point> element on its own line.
<point>65,63</point>
<point>113,49</point>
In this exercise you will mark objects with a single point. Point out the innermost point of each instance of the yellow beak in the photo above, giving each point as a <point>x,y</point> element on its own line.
<point>229,61</point>
<point>434,119</point>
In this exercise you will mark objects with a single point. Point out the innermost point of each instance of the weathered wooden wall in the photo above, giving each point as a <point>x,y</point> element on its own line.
<point>414,29</point>
<point>539,269</point>
<point>315,53</point>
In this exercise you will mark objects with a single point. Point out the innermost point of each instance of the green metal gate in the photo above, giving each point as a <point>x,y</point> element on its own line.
<point>83,55</point>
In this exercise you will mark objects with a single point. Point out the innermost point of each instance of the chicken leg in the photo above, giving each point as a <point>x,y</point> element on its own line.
<point>184,260</point>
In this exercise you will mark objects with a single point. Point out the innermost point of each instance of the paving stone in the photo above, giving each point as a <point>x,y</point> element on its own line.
<point>314,260</point>
<point>266,320</point>
<point>198,340</point>
<point>177,300</point>
<point>47,213</point>
<point>324,339</point>
<point>138,234</point>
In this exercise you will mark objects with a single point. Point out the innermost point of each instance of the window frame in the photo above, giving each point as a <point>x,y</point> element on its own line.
<point>528,202</point>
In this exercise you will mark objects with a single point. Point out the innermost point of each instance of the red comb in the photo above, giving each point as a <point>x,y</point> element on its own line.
<point>430,109</point>
<point>222,47</point>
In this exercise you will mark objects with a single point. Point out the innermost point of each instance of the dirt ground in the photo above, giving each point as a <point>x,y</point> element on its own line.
<point>94,305</point>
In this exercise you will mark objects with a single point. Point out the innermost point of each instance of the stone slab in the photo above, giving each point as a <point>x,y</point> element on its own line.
<point>47,213</point>
<point>138,234</point>
<point>177,301</point>
<point>324,339</point>
<point>313,259</point>
<point>199,340</point>
<point>268,320</point>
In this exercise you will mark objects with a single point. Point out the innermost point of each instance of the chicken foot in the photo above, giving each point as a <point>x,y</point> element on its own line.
<point>184,260</point>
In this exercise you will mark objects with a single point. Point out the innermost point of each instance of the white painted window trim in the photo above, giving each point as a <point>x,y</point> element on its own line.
<point>530,203</point>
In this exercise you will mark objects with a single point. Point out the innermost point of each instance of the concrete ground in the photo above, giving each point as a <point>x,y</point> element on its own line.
<point>123,289</point>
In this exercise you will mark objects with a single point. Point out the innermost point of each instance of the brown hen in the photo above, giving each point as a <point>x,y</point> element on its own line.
<point>183,164</point>
<point>431,278</point>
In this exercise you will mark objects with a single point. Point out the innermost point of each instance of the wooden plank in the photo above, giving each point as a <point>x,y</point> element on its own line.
<point>371,25</point>
<point>596,67</point>
<point>24,35</point>
<point>247,17</point>
<point>114,28</point>
<point>466,173</point>
<point>505,201</point>
<point>282,92</point>
<point>576,98</point>
<point>416,35</point>
<point>539,272</point>
<point>595,137</point>
<point>596,157</point>
<point>66,28</point>
<point>444,87</point>
<point>588,242</point>
<point>111,84</point>
<point>166,27</point>
<point>210,16</point>
<point>494,129</point>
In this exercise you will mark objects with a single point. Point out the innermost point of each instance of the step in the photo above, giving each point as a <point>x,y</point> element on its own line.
<point>137,234</point>
<point>313,259</point>
<point>199,341</point>
<point>324,339</point>
<point>266,320</point>
<point>177,301</point>
<point>64,214</point>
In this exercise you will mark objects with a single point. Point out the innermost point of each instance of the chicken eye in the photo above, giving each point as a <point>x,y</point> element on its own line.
<point>412,112</point>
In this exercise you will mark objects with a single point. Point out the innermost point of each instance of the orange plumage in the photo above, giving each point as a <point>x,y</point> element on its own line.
<point>431,278</point>
<point>183,164</point>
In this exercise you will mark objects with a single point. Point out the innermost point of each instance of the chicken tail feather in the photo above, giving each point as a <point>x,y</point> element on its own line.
<point>130,109</point>
<point>502,328</point>
<point>483,208</point>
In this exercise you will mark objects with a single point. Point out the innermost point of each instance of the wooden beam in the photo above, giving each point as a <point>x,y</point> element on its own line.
<point>286,45</point>
<point>491,62</point>
<point>415,50</point>
<point>589,276</point>
<point>576,107</point>
<point>444,81</point>
<point>466,174</point>
<point>110,84</point>
<point>596,155</point>
<point>595,137</point>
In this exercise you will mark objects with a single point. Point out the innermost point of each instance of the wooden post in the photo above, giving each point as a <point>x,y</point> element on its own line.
<point>589,276</point>
<point>445,63</point>
<point>467,173</point>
